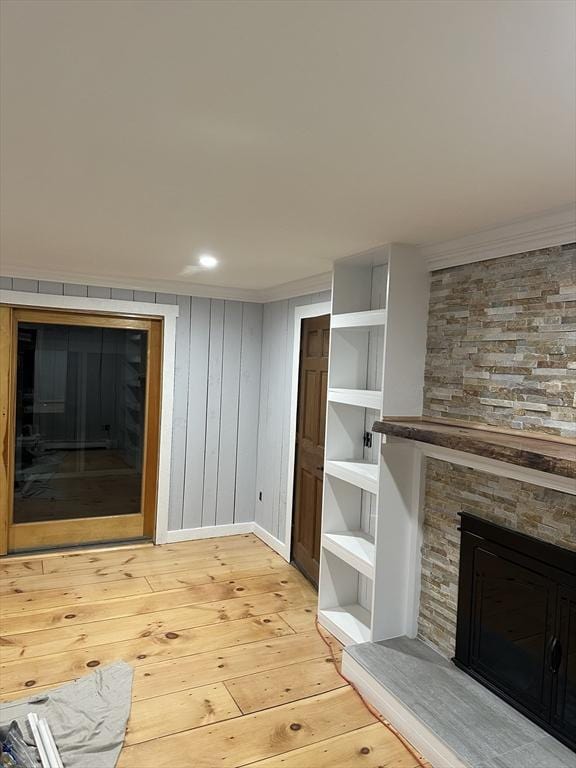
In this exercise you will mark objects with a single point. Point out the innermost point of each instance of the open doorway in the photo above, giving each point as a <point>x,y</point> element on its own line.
<point>309,445</point>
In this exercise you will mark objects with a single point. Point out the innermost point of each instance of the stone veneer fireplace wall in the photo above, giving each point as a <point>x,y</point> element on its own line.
<point>502,351</point>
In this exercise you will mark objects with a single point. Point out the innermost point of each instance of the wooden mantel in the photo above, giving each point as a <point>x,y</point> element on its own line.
<point>534,451</point>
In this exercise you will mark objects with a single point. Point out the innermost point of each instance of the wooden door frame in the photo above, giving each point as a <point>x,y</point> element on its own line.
<point>164,312</point>
<point>300,313</point>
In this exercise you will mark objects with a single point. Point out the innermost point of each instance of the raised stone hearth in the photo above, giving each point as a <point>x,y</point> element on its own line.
<point>451,718</point>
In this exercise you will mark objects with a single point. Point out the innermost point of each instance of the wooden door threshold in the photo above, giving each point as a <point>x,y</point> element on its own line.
<point>79,548</point>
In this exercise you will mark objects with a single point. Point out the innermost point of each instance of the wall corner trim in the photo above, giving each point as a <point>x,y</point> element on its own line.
<point>547,229</point>
<point>232,529</point>
<point>278,546</point>
<point>209,532</point>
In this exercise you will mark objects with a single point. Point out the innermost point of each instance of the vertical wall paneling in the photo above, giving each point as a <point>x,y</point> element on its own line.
<point>166,298</point>
<point>23,284</point>
<point>278,379</point>
<point>123,294</point>
<point>180,414</point>
<point>248,406</point>
<point>71,289</point>
<point>99,292</point>
<point>146,296</point>
<point>197,401</point>
<point>228,420</point>
<point>214,403</point>
<point>47,286</point>
<point>263,507</point>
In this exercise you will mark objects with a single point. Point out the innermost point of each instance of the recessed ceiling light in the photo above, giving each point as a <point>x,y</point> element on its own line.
<point>207,260</point>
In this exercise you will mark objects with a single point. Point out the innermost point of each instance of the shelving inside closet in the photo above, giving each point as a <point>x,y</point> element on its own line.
<point>370,515</point>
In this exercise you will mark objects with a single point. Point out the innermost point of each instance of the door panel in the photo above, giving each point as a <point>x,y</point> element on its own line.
<point>309,462</point>
<point>83,428</point>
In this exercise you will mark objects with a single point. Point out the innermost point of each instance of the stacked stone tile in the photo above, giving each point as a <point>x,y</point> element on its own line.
<point>502,351</point>
<point>502,342</point>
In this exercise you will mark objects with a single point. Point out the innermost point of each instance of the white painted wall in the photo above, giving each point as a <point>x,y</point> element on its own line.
<point>274,421</point>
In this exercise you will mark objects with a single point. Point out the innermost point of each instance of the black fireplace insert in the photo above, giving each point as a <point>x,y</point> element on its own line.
<point>516,626</point>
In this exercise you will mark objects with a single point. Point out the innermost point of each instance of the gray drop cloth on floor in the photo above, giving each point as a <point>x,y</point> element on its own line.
<point>87,717</point>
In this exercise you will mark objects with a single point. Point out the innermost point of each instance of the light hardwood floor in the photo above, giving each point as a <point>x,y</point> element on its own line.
<point>229,668</point>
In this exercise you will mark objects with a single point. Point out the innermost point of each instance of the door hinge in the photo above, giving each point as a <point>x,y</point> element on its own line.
<point>367,439</point>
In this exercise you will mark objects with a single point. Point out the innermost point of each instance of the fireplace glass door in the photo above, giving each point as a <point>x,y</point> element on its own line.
<point>516,627</point>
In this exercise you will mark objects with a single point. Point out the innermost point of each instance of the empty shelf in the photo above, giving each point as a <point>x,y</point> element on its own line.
<point>359,473</point>
<point>359,319</point>
<point>349,623</point>
<point>365,398</point>
<point>354,547</point>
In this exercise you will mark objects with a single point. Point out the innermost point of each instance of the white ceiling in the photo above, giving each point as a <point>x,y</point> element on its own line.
<point>277,135</point>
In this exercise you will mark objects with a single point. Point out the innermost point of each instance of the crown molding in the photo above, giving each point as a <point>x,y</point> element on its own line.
<point>554,227</point>
<point>302,287</point>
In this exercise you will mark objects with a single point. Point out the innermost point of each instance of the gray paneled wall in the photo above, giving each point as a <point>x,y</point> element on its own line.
<point>275,395</point>
<point>216,401</point>
<point>216,396</point>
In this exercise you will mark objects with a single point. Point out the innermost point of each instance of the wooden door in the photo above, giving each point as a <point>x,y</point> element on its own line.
<point>309,461</point>
<point>79,425</point>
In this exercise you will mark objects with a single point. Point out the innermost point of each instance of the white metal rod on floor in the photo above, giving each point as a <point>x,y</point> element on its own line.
<point>50,744</point>
<point>34,727</point>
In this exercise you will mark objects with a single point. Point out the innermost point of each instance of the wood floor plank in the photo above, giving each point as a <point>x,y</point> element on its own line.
<point>176,712</point>
<point>20,603</point>
<point>224,665</point>
<point>39,583</point>
<point>211,563</point>
<point>281,686</point>
<point>69,615</point>
<point>370,747</point>
<point>185,672</point>
<point>57,668</point>
<point>189,578</point>
<point>81,561</point>
<point>301,619</point>
<point>254,737</point>
<point>10,569</point>
<point>183,561</point>
<point>29,645</point>
<point>185,574</point>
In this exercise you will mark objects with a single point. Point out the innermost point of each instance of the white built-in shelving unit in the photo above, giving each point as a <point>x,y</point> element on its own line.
<point>369,540</point>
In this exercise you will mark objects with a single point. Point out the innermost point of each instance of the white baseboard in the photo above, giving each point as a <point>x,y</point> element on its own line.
<point>233,529</point>
<point>209,532</point>
<point>277,545</point>
<point>424,740</point>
